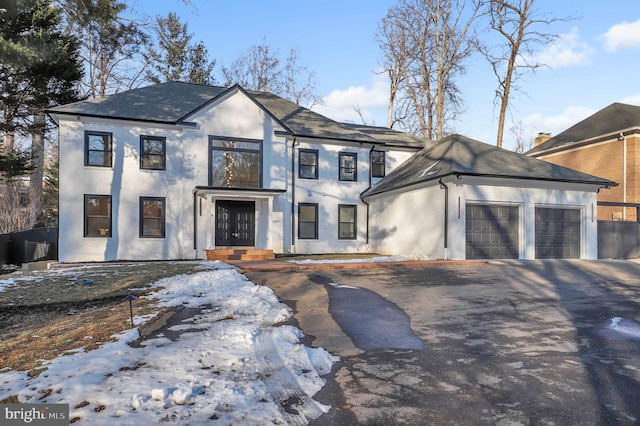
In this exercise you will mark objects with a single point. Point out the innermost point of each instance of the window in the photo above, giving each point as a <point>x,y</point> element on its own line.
<point>308,221</point>
<point>347,166</point>
<point>97,216</point>
<point>152,152</point>
<point>235,163</point>
<point>97,149</point>
<point>308,164</point>
<point>152,217</point>
<point>377,164</point>
<point>347,222</point>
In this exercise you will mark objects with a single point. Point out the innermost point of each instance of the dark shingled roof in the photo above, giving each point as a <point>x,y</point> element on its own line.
<point>459,155</point>
<point>612,119</point>
<point>164,103</point>
<point>173,102</point>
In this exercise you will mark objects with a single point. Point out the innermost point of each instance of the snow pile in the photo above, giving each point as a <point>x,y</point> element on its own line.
<point>229,363</point>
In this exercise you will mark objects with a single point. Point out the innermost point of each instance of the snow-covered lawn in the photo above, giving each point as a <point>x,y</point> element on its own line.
<point>232,363</point>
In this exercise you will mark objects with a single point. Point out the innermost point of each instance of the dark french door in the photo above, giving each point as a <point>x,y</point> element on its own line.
<point>235,223</point>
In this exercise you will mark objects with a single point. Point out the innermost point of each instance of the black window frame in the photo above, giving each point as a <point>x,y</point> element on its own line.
<point>316,154</point>
<point>315,207</point>
<point>143,219</point>
<point>342,169</point>
<point>143,154</point>
<point>354,207</point>
<point>108,153</point>
<point>109,230</point>
<point>253,142</point>
<point>375,165</point>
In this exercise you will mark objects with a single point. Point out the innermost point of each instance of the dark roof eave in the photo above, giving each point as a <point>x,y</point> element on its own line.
<point>601,184</point>
<point>224,188</point>
<point>110,117</point>
<point>346,139</point>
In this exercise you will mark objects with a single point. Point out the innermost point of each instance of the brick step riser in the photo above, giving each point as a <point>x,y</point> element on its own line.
<point>239,254</point>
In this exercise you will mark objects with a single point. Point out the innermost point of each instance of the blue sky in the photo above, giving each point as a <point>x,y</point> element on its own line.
<point>595,62</point>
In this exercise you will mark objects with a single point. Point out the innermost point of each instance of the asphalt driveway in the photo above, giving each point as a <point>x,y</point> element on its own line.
<point>502,343</point>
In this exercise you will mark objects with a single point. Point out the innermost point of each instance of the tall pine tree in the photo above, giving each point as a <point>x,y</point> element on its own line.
<point>42,69</point>
<point>174,58</point>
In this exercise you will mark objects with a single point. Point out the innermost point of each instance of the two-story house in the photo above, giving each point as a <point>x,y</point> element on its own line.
<point>177,170</point>
<point>168,171</point>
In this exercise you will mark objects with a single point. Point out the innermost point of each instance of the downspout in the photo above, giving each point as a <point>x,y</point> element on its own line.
<point>446,216</point>
<point>624,174</point>
<point>195,223</point>
<point>293,196</point>
<point>364,201</point>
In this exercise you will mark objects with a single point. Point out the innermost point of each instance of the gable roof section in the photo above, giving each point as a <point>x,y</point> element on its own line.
<point>459,155</point>
<point>163,103</point>
<point>174,101</point>
<point>613,119</point>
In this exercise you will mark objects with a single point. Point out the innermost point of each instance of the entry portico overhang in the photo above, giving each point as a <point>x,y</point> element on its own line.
<point>267,222</point>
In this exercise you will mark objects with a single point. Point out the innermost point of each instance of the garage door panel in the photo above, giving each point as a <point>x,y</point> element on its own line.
<point>557,233</point>
<point>491,231</point>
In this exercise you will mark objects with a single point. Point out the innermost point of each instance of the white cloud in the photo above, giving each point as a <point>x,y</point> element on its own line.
<point>371,99</point>
<point>555,124</point>
<point>567,51</point>
<point>625,35</point>
<point>632,100</point>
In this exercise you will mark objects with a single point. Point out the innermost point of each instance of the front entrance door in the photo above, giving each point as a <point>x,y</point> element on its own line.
<point>235,223</point>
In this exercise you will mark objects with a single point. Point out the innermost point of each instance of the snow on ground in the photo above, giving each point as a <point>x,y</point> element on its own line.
<point>379,259</point>
<point>230,363</point>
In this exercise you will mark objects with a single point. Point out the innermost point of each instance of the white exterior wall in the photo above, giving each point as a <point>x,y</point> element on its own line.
<point>187,166</point>
<point>236,116</point>
<point>329,192</point>
<point>412,223</point>
<point>126,183</point>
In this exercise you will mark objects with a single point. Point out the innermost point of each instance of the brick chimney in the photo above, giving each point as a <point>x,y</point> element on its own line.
<point>542,138</point>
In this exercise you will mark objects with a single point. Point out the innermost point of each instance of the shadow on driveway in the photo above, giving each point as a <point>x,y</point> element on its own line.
<point>509,342</point>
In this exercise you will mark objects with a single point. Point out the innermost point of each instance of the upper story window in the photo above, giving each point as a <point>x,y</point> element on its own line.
<point>98,149</point>
<point>153,152</point>
<point>235,163</point>
<point>348,166</point>
<point>97,216</point>
<point>377,164</point>
<point>308,163</point>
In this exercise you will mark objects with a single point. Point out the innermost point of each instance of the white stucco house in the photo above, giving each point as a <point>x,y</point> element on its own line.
<point>173,170</point>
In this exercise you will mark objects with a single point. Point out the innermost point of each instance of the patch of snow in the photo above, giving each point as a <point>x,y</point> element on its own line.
<point>378,259</point>
<point>625,327</point>
<point>336,285</point>
<point>234,365</point>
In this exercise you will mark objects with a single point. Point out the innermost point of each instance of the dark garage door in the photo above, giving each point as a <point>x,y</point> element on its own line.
<point>492,232</point>
<point>557,233</point>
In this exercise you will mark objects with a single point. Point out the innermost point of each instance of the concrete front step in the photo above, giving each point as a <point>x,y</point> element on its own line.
<point>239,254</point>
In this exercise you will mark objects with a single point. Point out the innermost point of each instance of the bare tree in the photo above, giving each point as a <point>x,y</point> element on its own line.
<point>520,26</point>
<point>518,131</point>
<point>260,68</point>
<point>425,44</point>
<point>393,40</point>
<point>299,84</point>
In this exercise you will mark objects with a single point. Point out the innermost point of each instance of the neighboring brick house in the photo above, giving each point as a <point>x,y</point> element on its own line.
<point>606,144</point>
